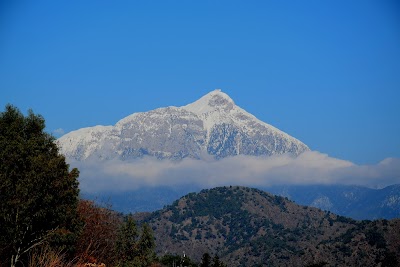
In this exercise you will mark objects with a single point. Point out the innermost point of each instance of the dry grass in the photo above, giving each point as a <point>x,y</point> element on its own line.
<point>45,256</point>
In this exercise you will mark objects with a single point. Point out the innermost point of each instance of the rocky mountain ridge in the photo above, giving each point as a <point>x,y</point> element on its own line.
<point>211,126</point>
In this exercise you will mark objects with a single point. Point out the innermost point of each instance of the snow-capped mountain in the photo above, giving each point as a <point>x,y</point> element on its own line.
<point>211,126</point>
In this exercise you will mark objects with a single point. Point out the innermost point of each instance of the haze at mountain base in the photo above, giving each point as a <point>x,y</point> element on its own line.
<point>308,168</point>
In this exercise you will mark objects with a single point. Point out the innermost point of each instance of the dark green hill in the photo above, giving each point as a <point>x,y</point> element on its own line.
<point>249,227</point>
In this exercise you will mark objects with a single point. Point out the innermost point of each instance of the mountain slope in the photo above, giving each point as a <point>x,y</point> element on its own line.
<point>213,125</point>
<point>356,202</point>
<point>249,227</point>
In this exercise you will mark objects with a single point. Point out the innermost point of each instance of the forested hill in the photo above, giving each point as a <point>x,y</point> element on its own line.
<point>249,227</point>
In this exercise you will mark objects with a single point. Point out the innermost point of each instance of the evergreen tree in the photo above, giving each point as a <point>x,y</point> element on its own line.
<point>177,260</point>
<point>146,246</point>
<point>127,238</point>
<point>38,192</point>
<point>135,251</point>
<point>205,260</point>
<point>217,262</point>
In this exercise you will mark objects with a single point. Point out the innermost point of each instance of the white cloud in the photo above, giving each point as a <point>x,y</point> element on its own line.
<point>308,168</point>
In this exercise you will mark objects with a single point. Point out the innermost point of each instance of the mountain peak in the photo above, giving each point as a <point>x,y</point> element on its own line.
<point>213,101</point>
<point>212,125</point>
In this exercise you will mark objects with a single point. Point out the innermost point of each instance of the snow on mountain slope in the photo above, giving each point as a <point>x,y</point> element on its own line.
<point>212,125</point>
<point>217,107</point>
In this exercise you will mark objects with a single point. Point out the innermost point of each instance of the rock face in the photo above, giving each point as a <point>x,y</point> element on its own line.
<point>211,126</point>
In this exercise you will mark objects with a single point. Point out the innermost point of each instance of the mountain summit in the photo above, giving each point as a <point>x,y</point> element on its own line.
<point>211,126</point>
<point>214,101</point>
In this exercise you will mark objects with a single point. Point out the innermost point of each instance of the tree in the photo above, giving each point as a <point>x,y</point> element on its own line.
<point>96,241</point>
<point>127,238</point>
<point>217,262</point>
<point>205,260</point>
<point>135,251</point>
<point>38,192</point>
<point>146,246</point>
<point>176,260</point>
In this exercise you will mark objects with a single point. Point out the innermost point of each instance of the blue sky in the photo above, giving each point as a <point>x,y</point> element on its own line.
<point>325,72</point>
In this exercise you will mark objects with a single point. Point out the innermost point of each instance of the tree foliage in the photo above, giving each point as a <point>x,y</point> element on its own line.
<point>135,250</point>
<point>146,246</point>
<point>96,241</point>
<point>217,262</point>
<point>177,260</point>
<point>127,239</point>
<point>38,192</point>
<point>205,260</point>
